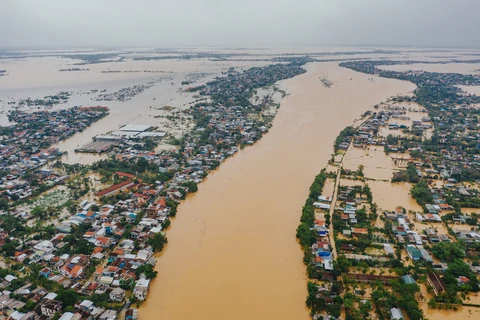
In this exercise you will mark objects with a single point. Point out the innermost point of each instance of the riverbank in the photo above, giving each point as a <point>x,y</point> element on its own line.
<point>218,260</point>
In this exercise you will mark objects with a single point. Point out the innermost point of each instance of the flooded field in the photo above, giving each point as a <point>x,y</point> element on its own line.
<point>377,164</point>
<point>461,313</point>
<point>231,250</point>
<point>413,112</point>
<point>390,195</point>
<point>328,187</point>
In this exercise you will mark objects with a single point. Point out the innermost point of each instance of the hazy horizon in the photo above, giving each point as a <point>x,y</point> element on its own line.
<point>247,23</point>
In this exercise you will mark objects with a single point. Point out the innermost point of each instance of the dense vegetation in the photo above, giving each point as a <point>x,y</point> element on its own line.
<point>421,193</point>
<point>347,132</point>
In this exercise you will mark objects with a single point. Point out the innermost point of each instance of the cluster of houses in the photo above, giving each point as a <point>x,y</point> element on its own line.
<point>111,268</point>
<point>25,147</point>
<point>322,249</point>
<point>240,84</point>
<point>412,243</point>
<point>14,187</point>
<point>368,133</point>
<point>47,307</point>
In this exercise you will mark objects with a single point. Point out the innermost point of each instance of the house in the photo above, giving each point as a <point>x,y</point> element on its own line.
<point>108,315</point>
<point>462,280</point>
<point>143,255</point>
<point>50,296</point>
<point>431,209</point>
<point>435,283</point>
<point>425,255</point>
<point>115,188</point>
<point>141,289</point>
<point>72,271</point>
<point>45,246</point>
<point>67,316</point>
<point>396,313</point>
<point>459,219</point>
<point>444,238</point>
<point>440,266</point>
<point>50,307</point>
<point>117,295</point>
<point>414,253</point>
<point>347,233</point>
<point>16,315</point>
<point>86,306</point>
<point>463,191</point>
<point>10,278</point>
<point>75,267</point>
<point>29,316</point>
<point>131,314</point>
<point>103,242</point>
<point>432,235</point>
<point>415,237</point>
<point>45,272</point>
<point>321,205</point>
<point>388,250</point>
<point>359,231</point>
<point>399,230</point>
<point>125,175</point>
<point>347,247</point>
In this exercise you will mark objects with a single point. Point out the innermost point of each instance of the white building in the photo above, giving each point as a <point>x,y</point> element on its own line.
<point>141,289</point>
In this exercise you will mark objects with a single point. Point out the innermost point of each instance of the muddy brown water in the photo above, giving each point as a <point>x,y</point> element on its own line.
<point>232,251</point>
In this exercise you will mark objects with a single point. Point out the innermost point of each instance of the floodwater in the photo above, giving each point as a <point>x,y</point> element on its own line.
<point>388,195</point>
<point>39,77</point>
<point>464,68</point>
<point>461,313</point>
<point>232,251</point>
<point>377,164</point>
<point>471,89</point>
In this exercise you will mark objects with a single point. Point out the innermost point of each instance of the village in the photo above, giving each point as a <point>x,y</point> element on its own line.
<point>368,258</point>
<point>26,148</point>
<point>79,241</point>
<point>83,246</point>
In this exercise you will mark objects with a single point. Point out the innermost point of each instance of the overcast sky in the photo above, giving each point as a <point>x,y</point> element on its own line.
<point>162,23</point>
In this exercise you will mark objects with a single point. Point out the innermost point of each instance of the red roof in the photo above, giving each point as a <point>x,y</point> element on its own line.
<point>113,188</point>
<point>97,250</point>
<point>126,175</point>
<point>360,230</point>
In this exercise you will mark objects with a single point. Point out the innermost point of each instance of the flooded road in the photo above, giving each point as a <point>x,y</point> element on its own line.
<point>232,251</point>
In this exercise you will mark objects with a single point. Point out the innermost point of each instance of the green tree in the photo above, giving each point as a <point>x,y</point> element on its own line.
<point>67,297</point>
<point>449,251</point>
<point>157,242</point>
<point>147,270</point>
<point>4,204</point>
<point>421,193</point>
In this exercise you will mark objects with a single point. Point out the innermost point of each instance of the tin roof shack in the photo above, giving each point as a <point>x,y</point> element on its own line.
<point>396,314</point>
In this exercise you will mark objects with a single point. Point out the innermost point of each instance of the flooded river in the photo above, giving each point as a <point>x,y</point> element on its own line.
<point>232,251</point>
